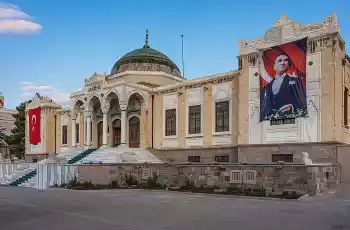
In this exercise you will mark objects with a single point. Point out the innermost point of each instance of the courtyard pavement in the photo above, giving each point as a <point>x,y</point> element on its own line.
<point>54,209</point>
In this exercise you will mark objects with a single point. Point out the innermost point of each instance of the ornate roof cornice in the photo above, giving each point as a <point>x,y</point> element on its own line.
<point>285,30</point>
<point>95,78</point>
<point>143,73</point>
<point>43,101</point>
<point>196,81</point>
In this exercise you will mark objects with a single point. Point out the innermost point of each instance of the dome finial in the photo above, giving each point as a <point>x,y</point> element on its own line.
<point>146,43</point>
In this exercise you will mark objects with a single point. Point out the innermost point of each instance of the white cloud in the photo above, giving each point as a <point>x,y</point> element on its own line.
<point>60,98</point>
<point>37,88</point>
<point>26,83</point>
<point>11,11</point>
<point>15,21</point>
<point>57,95</point>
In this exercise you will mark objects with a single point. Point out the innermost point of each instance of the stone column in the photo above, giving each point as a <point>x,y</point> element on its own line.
<point>88,128</point>
<point>105,127</point>
<point>74,139</point>
<point>123,124</point>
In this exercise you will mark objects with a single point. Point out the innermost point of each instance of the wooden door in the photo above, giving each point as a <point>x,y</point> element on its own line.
<point>116,132</point>
<point>99,134</point>
<point>134,132</point>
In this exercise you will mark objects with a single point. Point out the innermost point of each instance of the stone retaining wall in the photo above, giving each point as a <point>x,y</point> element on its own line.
<point>303,179</point>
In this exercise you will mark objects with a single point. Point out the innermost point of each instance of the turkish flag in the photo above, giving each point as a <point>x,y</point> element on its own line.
<point>34,125</point>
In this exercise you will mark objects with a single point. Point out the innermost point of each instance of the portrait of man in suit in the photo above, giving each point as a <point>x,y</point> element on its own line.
<point>283,95</point>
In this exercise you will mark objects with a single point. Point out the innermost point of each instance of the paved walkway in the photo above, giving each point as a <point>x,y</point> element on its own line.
<point>22,208</point>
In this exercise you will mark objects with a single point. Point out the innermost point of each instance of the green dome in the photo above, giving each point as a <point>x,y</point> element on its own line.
<point>145,59</point>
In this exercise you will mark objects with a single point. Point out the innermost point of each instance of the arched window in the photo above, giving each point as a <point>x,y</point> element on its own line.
<point>134,105</point>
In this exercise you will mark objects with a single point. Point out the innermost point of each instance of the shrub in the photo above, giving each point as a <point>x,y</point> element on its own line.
<point>188,185</point>
<point>291,195</point>
<point>73,182</point>
<point>152,182</point>
<point>114,184</point>
<point>130,180</point>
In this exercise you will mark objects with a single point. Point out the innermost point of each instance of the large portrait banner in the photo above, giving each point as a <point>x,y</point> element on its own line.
<point>282,73</point>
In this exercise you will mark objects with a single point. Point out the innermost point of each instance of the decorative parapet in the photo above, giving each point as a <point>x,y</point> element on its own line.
<point>149,67</point>
<point>198,82</point>
<point>96,78</point>
<point>285,30</point>
<point>114,78</point>
<point>64,111</point>
<point>77,94</point>
<point>42,101</point>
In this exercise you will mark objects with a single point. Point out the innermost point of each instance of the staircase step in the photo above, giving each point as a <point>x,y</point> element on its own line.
<point>120,155</point>
<point>25,175</point>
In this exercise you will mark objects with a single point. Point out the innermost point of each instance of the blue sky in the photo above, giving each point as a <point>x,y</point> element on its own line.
<point>69,40</point>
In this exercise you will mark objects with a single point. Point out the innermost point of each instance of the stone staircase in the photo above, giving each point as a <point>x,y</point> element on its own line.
<point>26,174</point>
<point>120,155</point>
<point>30,183</point>
<point>22,170</point>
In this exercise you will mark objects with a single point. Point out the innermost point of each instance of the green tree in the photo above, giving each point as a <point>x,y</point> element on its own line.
<point>17,139</point>
<point>3,139</point>
<point>2,132</point>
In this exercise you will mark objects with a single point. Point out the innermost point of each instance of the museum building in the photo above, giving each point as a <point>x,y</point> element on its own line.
<point>145,109</point>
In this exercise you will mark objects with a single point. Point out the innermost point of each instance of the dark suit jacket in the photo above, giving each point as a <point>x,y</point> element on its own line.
<point>291,92</point>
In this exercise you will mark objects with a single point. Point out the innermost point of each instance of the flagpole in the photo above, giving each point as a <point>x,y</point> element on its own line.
<point>182,54</point>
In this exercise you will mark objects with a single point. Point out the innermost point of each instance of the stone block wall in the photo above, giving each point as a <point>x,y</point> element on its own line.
<point>318,152</point>
<point>260,153</point>
<point>279,178</point>
<point>207,155</point>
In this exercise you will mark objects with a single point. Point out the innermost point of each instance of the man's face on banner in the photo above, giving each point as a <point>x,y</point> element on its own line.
<point>281,64</point>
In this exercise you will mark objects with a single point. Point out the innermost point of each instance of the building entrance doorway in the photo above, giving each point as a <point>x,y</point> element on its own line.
<point>116,132</point>
<point>134,132</point>
<point>99,134</point>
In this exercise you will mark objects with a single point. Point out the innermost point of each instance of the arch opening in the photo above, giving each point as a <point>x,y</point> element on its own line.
<point>134,132</point>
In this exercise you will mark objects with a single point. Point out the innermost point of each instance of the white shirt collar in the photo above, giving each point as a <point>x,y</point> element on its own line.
<point>281,76</point>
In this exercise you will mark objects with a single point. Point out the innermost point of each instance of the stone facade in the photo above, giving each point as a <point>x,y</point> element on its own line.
<point>104,112</point>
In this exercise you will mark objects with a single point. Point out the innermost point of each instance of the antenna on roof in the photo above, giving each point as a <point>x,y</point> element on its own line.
<point>182,54</point>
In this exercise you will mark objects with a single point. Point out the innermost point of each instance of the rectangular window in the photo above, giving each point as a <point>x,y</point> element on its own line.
<point>90,132</point>
<point>170,122</point>
<point>85,131</point>
<point>222,111</point>
<point>283,121</point>
<point>282,157</point>
<point>194,159</point>
<point>239,63</point>
<point>64,135</point>
<point>194,119</point>
<point>77,133</point>
<point>346,95</point>
<point>225,158</point>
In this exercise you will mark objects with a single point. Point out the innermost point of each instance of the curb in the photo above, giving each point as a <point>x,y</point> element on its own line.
<point>224,195</point>
<point>190,193</point>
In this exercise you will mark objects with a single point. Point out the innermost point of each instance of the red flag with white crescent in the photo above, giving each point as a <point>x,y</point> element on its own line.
<point>34,125</point>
